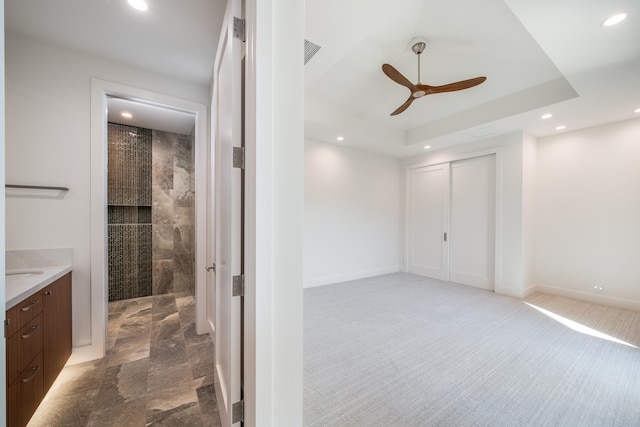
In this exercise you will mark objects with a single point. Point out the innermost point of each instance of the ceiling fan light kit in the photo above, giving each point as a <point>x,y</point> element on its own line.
<point>419,90</point>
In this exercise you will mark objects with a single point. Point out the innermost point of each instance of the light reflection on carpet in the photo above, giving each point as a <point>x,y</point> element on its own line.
<point>578,327</point>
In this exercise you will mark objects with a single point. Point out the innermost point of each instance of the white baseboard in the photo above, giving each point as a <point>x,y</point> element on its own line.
<point>530,290</point>
<point>84,354</point>
<point>311,283</point>
<point>589,297</point>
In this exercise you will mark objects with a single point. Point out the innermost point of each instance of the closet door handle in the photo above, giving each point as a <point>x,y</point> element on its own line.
<point>35,370</point>
<point>33,329</point>
<point>445,236</point>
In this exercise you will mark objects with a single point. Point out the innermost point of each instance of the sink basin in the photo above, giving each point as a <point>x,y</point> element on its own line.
<point>23,274</point>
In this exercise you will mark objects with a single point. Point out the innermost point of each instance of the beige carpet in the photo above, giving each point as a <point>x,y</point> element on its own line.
<point>403,350</point>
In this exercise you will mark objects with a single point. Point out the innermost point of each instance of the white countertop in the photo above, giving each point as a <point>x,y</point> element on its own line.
<point>20,286</point>
<point>36,269</point>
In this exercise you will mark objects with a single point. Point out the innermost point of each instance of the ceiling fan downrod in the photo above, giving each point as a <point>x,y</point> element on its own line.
<point>418,48</point>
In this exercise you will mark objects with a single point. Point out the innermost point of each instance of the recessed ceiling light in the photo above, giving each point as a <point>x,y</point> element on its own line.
<point>561,127</point>
<point>127,115</point>
<point>340,138</point>
<point>426,147</point>
<point>614,19</point>
<point>637,110</point>
<point>546,116</point>
<point>139,4</point>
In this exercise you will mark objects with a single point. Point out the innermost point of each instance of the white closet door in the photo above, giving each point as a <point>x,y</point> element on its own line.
<point>472,226</point>
<point>427,221</point>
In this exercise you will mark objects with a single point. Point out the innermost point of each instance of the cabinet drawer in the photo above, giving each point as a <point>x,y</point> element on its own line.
<point>23,347</point>
<point>21,314</point>
<point>25,394</point>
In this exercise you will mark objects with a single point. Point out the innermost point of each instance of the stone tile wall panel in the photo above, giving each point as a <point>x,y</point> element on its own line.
<point>151,212</point>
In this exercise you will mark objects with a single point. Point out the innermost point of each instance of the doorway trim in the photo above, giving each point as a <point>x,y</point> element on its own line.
<point>497,151</point>
<point>100,90</point>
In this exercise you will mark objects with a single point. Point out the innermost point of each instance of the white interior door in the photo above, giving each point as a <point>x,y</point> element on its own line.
<point>228,195</point>
<point>427,221</point>
<point>472,222</point>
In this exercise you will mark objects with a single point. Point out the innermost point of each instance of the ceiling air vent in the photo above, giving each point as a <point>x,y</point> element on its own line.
<point>310,49</point>
<point>483,132</point>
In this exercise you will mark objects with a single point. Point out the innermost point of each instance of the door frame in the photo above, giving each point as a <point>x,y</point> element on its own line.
<point>497,151</point>
<point>100,90</point>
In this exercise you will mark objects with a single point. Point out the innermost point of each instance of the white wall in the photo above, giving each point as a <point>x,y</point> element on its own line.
<point>510,239</point>
<point>274,213</point>
<point>351,214</point>
<point>588,214</point>
<point>48,142</point>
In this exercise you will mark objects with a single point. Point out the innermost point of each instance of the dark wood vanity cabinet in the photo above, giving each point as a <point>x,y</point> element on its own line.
<point>56,316</point>
<point>38,334</point>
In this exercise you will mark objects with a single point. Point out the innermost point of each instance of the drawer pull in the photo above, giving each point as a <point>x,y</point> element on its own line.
<point>35,370</point>
<point>29,307</point>
<point>47,293</point>
<point>33,329</point>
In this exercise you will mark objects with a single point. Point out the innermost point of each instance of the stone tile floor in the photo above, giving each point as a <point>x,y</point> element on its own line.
<point>157,372</point>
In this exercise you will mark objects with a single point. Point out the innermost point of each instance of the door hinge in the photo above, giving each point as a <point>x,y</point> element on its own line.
<point>238,286</point>
<point>237,412</point>
<point>238,157</point>
<point>239,28</point>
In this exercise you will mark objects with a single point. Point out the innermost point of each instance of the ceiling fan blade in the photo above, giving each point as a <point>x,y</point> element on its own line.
<point>452,87</point>
<point>404,106</point>
<point>395,75</point>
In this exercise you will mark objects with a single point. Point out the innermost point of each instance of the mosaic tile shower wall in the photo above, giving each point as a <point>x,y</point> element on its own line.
<point>151,212</point>
<point>129,212</point>
<point>129,252</point>
<point>129,177</point>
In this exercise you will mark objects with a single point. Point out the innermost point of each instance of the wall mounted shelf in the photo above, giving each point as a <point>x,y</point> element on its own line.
<point>36,187</point>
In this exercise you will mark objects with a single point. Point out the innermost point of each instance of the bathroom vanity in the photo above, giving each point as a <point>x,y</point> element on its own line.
<point>38,335</point>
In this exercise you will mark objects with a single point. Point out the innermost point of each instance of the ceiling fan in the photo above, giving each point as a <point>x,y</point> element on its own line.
<point>419,90</point>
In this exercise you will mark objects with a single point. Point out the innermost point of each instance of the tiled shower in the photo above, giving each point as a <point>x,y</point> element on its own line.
<point>151,247</point>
